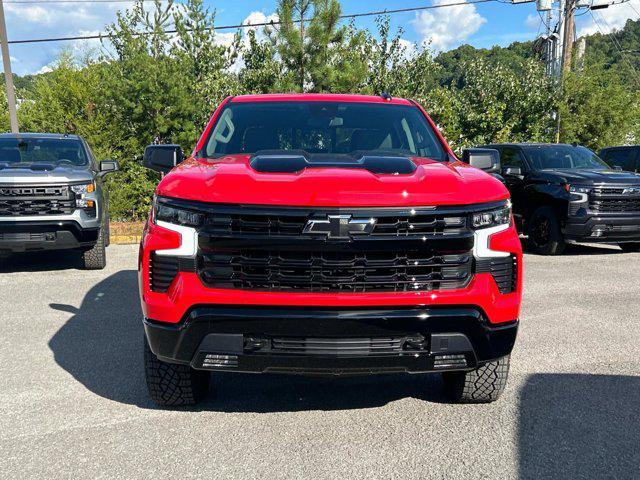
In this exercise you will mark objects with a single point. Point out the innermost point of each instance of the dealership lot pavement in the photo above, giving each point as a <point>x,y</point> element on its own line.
<point>73,401</point>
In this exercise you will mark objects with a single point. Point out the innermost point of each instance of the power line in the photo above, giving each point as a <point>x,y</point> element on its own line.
<point>634,9</point>
<point>18,2</point>
<point>251,25</point>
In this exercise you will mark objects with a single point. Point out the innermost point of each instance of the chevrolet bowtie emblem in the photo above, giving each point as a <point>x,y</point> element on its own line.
<point>339,226</point>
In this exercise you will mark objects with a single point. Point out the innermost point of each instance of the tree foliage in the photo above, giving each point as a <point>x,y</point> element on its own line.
<point>316,51</point>
<point>598,108</point>
<point>147,85</point>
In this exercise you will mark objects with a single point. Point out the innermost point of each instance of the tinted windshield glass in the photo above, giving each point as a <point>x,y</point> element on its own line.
<point>564,157</point>
<point>323,128</point>
<point>28,151</point>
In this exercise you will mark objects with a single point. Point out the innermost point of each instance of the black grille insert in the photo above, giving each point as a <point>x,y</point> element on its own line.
<point>338,346</point>
<point>504,272</point>
<point>620,199</point>
<point>36,200</point>
<point>162,271</point>
<point>335,271</point>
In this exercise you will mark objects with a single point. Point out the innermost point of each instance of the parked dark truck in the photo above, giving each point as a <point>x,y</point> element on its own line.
<point>331,235</point>
<point>51,196</point>
<point>566,193</point>
<point>624,158</point>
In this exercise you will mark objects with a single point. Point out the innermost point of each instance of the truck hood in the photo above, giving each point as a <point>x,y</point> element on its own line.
<point>590,177</point>
<point>63,174</point>
<point>232,180</point>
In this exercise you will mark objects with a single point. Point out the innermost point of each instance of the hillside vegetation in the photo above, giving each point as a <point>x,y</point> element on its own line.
<point>142,88</point>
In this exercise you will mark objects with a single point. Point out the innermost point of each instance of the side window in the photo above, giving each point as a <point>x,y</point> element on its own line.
<point>92,157</point>
<point>621,157</point>
<point>511,157</point>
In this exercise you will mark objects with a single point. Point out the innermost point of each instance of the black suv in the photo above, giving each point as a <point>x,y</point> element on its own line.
<point>626,158</point>
<point>566,193</point>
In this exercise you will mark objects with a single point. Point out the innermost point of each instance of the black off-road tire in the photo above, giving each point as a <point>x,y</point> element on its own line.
<point>96,257</point>
<point>172,385</point>
<point>485,384</point>
<point>545,236</point>
<point>630,247</point>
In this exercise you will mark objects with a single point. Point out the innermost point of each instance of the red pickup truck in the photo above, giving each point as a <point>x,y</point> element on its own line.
<point>331,235</point>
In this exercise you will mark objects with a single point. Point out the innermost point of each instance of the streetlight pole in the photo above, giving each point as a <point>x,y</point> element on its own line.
<point>8,77</point>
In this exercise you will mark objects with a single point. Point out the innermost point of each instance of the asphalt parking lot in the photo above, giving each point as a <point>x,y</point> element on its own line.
<point>73,401</point>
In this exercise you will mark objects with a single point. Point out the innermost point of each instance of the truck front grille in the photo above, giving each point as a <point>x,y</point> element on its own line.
<point>619,199</point>
<point>272,224</point>
<point>318,271</point>
<point>36,200</point>
<point>269,249</point>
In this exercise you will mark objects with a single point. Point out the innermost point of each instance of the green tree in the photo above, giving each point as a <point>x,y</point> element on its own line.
<point>598,108</point>
<point>262,71</point>
<point>318,54</point>
<point>204,64</point>
<point>496,104</point>
<point>4,111</point>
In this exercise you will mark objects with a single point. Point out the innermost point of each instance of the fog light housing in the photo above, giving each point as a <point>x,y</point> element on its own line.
<point>214,360</point>
<point>449,361</point>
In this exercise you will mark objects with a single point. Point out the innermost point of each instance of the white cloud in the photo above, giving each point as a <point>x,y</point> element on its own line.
<point>45,69</point>
<point>613,18</point>
<point>446,28</point>
<point>532,22</point>
<point>408,46</point>
<point>54,20</point>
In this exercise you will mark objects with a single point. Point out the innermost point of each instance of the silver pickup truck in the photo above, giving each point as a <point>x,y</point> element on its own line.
<point>52,197</point>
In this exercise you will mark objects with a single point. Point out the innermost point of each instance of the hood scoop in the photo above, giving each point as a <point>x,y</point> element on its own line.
<point>380,165</point>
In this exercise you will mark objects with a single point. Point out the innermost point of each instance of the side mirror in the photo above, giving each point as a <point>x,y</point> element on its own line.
<point>512,171</point>
<point>162,158</point>
<point>108,166</point>
<point>486,159</point>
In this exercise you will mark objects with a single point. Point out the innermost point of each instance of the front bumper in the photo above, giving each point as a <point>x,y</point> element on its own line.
<point>603,229</point>
<point>331,341</point>
<point>20,236</point>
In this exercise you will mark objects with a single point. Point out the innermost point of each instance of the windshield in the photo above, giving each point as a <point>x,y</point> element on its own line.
<point>18,152</point>
<point>564,157</point>
<point>323,128</point>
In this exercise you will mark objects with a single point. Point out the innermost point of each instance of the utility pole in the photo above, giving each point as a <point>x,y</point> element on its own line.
<point>8,77</point>
<point>569,29</point>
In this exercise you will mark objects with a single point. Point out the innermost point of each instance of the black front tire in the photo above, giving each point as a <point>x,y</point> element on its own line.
<point>96,257</point>
<point>172,385</point>
<point>485,384</point>
<point>545,236</point>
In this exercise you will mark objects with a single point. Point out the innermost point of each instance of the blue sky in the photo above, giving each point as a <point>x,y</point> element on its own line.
<point>482,25</point>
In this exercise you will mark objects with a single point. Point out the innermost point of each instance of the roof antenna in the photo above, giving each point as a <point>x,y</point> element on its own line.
<point>386,96</point>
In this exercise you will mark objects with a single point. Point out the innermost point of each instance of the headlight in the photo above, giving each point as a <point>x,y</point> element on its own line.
<point>81,192</point>
<point>176,216</point>
<point>574,189</point>
<point>492,218</point>
<point>83,188</point>
<point>578,194</point>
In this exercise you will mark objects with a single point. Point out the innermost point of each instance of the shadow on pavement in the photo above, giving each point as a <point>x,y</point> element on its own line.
<point>101,344</point>
<point>579,426</point>
<point>291,393</point>
<point>101,347</point>
<point>41,261</point>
